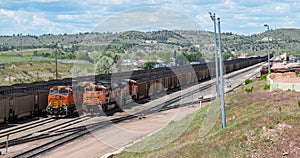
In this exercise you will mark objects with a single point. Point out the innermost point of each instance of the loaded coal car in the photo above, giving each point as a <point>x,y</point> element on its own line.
<point>19,105</point>
<point>40,102</point>
<point>16,106</point>
<point>60,101</point>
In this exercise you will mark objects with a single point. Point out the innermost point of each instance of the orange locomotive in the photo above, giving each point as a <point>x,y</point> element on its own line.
<point>97,98</point>
<point>60,101</point>
<point>104,95</point>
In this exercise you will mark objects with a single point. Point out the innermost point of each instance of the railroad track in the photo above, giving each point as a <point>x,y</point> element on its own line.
<point>42,133</point>
<point>25,127</point>
<point>74,133</point>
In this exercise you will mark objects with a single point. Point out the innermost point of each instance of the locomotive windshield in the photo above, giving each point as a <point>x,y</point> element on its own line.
<point>89,89</point>
<point>55,91</point>
<point>63,92</point>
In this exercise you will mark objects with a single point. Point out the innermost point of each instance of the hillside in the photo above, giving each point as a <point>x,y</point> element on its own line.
<point>262,123</point>
<point>31,71</point>
<point>181,40</point>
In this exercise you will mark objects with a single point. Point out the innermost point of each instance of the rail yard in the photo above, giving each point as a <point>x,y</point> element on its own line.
<point>29,100</point>
<point>127,79</point>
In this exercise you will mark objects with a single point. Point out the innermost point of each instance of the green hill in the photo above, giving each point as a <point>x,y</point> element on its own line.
<point>164,40</point>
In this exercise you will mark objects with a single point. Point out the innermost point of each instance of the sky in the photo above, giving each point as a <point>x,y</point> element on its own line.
<point>246,17</point>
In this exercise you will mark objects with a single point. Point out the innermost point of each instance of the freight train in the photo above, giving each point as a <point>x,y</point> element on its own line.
<point>22,100</point>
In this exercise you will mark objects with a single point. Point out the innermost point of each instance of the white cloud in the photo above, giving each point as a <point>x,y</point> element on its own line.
<point>145,18</point>
<point>250,24</point>
<point>65,17</point>
<point>204,20</point>
<point>12,14</point>
<point>40,1</point>
<point>107,2</point>
<point>282,7</point>
<point>236,16</point>
<point>40,21</point>
<point>230,4</point>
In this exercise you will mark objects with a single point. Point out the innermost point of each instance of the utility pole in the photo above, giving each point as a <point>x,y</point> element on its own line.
<point>21,41</point>
<point>56,73</point>
<point>269,67</point>
<point>221,78</point>
<point>213,18</point>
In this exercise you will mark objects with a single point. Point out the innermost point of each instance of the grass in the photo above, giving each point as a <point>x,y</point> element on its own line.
<point>259,124</point>
<point>31,71</point>
<point>247,81</point>
<point>267,87</point>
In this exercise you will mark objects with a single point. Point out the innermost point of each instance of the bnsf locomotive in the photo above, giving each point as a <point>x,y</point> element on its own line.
<point>103,95</point>
<point>96,98</point>
<point>60,101</point>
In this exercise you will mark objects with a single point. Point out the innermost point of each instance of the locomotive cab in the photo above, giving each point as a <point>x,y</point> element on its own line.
<point>60,101</point>
<point>94,98</point>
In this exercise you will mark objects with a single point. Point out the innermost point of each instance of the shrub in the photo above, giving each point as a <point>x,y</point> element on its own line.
<point>249,90</point>
<point>25,72</point>
<point>248,81</point>
<point>27,55</point>
<point>264,76</point>
<point>291,90</point>
<point>299,103</point>
<point>267,87</point>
